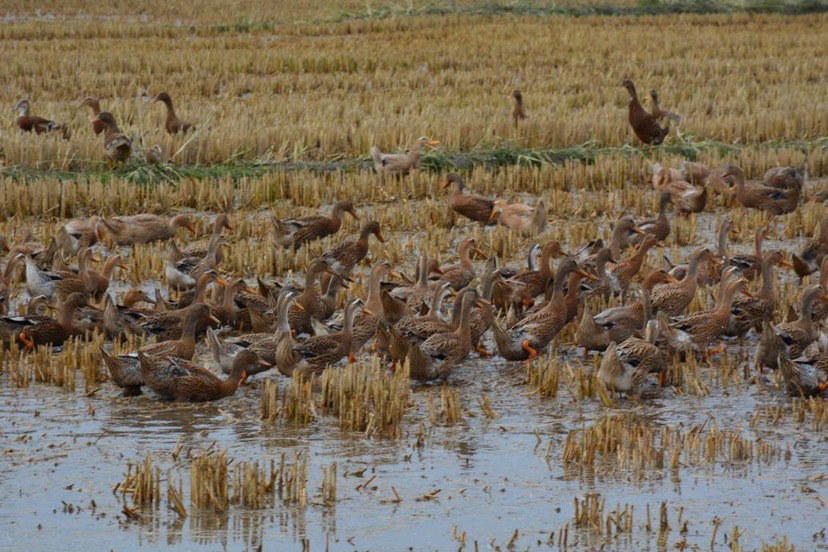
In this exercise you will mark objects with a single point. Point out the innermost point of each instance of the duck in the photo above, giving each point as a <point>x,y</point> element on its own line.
<point>312,305</point>
<point>535,281</point>
<point>124,371</point>
<point>145,228</point>
<point>417,295</point>
<point>320,351</point>
<point>228,313</point>
<point>32,123</point>
<point>756,195</point>
<point>474,207</point>
<point>345,255</point>
<point>154,155</point>
<point>534,332</point>
<point>461,274</point>
<point>98,283</point>
<point>518,111</point>
<point>117,145</point>
<point>416,329</point>
<point>169,325</point>
<point>200,249</point>
<point>659,226</point>
<point>804,377</point>
<point>625,366</point>
<point>685,196</point>
<point>621,274</point>
<point>820,312</point>
<point>814,252</point>
<point>484,313</point>
<point>37,331</point>
<point>520,217</point>
<point>185,346</point>
<point>644,125</point>
<point>77,233</point>
<point>622,236</point>
<point>749,266</point>
<point>674,297</point>
<point>181,381</point>
<point>703,327</point>
<point>199,293</point>
<point>618,323</point>
<point>401,163</point>
<point>436,357</point>
<point>796,336</point>
<point>297,231</point>
<point>275,348</point>
<point>660,113</point>
<point>785,178</point>
<point>182,271</point>
<point>173,124</point>
<point>97,126</point>
<point>365,324</point>
<point>749,312</point>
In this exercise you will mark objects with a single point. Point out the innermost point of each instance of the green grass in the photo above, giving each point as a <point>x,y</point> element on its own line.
<point>505,154</point>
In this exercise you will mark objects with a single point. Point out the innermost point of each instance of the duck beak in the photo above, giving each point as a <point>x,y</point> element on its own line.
<point>479,252</point>
<point>222,281</point>
<point>433,143</point>
<point>638,230</point>
<point>249,289</point>
<point>483,302</point>
<point>95,120</point>
<point>214,319</point>
<point>395,274</point>
<point>494,216</point>
<point>264,363</point>
<point>586,274</point>
<point>191,229</point>
<point>786,263</point>
<point>672,279</point>
<point>748,293</point>
<point>123,266</point>
<point>367,311</point>
<point>380,238</point>
<point>298,306</point>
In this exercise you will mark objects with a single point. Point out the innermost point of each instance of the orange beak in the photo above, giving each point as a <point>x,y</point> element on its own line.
<point>298,306</point>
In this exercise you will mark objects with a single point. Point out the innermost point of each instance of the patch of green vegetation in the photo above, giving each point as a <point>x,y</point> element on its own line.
<point>500,155</point>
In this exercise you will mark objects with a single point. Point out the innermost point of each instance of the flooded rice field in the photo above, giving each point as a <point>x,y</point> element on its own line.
<point>504,455</point>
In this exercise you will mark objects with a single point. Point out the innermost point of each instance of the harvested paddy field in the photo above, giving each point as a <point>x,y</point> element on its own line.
<point>286,102</point>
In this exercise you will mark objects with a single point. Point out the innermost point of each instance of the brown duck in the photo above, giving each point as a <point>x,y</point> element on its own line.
<point>145,228</point>
<point>173,124</point>
<point>52,332</point>
<point>474,207</point>
<point>32,123</point>
<point>345,255</point>
<point>117,145</point>
<point>296,231</point>
<point>461,274</point>
<point>181,381</point>
<point>644,125</point>
<point>95,105</point>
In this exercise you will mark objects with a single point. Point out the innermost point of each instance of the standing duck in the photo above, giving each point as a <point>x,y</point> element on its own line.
<point>320,351</point>
<point>173,124</point>
<point>673,298</point>
<point>29,123</point>
<point>365,324</point>
<point>750,312</point>
<point>796,336</point>
<point>345,255</point>
<point>756,195</point>
<point>625,367</point>
<point>660,226</point>
<point>461,274</point>
<point>400,163</point>
<point>532,334</point>
<point>622,235</point>
<point>312,305</point>
<point>815,251</point>
<point>474,207</point>
<point>644,125</point>
<point>200,249</point>
<point>441,352</point>
<point>124,371</point>
<point>518,111</point>
<point>621,274</point>
<point>536,281</point>
<point>685,196</point>
<point>294,232</point>
<point>117,145</point>
<point>92,103</point>
<point>703,327</point>
<point>521,217</point>
<point>145,228</point>
<point>749,266</point>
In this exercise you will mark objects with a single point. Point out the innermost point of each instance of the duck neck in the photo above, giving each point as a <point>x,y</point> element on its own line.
<point>646,307</point>
<point>350,314</point>
<point>189,331</point>
<point>726,300</point>
<point>201,288</point>
<point>464,329</point>
<point>768,283</point>
<point>283,320</point>
<point>465,262</point>
<point>311,279</point>
<point>67,314</point>
<point>722,252</point>
<point>231,384</point>
<point>109,267</point>
<point>374,301</point>
<point>807,313</point>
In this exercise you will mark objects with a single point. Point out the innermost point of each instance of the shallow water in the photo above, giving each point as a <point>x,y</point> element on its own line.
<point>497,481</point>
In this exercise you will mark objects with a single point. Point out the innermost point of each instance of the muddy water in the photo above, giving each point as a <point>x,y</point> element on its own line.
<point>483,482</point>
